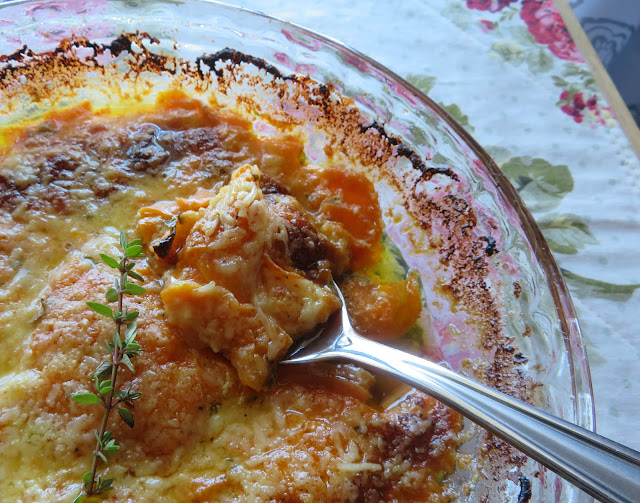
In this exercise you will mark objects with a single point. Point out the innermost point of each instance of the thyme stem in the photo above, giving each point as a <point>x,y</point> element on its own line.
<point>108,406</point>
<point>115,359</point>
<point>121,350</point>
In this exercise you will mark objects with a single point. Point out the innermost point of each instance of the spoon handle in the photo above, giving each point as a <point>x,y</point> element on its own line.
<point>605,469</point>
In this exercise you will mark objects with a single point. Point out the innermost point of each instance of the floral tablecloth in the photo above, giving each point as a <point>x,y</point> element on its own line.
<point>509,71</point>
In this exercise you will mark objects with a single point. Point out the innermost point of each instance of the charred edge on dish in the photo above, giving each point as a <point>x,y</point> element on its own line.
<point>236,58</point>
<point>517,289</point>
<point>123,43</point>
<point>505,375</point>
<point>467,259</point>
<point>25,62</point>
<point>17,56</point>
<point>147,59</point>
<point>498,452</point>
<point>404,151</point>
<point>491,248</point>
<point>525,490</point>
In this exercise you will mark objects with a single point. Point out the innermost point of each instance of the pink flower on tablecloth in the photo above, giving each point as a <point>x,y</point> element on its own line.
<point>486,25</point>
<point>573,104</point>
<point>578,101</point>
<point>573,112</point>
<point>490,5</point>
<point>547,27</point>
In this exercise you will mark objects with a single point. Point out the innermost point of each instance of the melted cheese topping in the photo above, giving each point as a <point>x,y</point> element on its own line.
<point>242,240</point>
<point>227,291</point>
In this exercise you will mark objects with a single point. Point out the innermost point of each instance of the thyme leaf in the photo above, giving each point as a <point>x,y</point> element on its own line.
<point>121,347</point>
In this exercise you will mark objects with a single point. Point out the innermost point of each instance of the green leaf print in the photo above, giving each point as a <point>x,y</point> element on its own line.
<point>588,287</point>
<point>423,82</point>
<point>458,13</point>
<point>455,112</point>
<point>441,160</point>
<point>583,77</point>
<point>574,70</point>
<point>590,84</point>
<point>499,154</point>
<point>559,81</point>
<point>540,61</point>
<point>521,34</point>
<point>508,13</point>
<point>566,233</point>
<point>541,184</point>
<point>509,51</point>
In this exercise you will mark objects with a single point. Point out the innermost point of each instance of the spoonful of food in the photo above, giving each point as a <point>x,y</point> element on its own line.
<point>605,469</point>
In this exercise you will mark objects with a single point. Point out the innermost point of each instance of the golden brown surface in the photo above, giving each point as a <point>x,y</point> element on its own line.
<point>242,238</point>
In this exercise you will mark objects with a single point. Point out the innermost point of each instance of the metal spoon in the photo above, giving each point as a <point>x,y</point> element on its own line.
<point>605,469</point>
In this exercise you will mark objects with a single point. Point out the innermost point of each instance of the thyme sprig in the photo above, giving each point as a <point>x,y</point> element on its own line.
<point>121,351</point>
